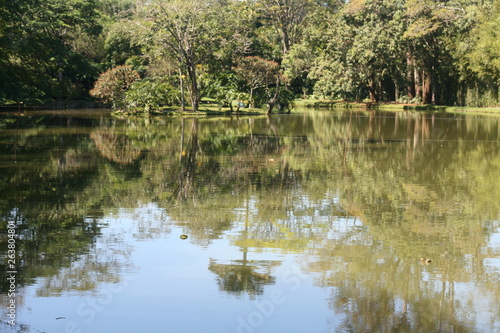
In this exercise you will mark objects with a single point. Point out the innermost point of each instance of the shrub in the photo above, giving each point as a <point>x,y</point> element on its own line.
<point>149,94</point>
<point>112,85</point>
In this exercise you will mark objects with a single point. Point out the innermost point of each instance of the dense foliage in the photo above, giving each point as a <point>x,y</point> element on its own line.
<point>421,51</point>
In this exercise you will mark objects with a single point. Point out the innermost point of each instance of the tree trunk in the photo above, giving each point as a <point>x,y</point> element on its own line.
<point>426,88</point>
<point>372,90</point>
<point>418,87</point>
<point>191,69</point>
<point>410,75</point>
<point>194,87</point>
<point>181,83</point>
<point>286,40</point>
<point>396,90</point>
<point>434,87</point>
<point>250,101</point>
<point>272,102</point>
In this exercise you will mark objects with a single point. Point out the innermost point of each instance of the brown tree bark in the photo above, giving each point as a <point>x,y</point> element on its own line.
<point>426,88</point>
<point>410,75</point>
<point>418,83</point>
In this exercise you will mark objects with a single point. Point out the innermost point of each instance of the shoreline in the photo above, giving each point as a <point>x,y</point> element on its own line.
<point>210,109</point>
<point>395,107</point>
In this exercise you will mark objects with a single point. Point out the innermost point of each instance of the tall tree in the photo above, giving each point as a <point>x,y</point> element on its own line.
<point>359,51</point>
<point>38,59</point>
<point>432,26</point>
<point>287,17</point>
<point>257,73</point>
<point>182,27</point>
<point>480,61</point>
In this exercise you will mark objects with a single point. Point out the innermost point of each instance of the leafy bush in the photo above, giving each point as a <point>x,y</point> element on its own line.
<point>149,95</point>
<point>285,100</point>
<point>112,85</point>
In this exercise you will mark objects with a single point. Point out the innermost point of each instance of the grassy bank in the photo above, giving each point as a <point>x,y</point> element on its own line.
<point>329,104</point>
<point>203,110</point>
<point>315,103</point>
<point>437,108</point>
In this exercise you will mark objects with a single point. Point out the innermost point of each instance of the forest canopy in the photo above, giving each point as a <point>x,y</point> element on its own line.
<point>444,52</point>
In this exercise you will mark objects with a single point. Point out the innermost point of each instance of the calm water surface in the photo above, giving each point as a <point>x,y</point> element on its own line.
<point>310,222</point>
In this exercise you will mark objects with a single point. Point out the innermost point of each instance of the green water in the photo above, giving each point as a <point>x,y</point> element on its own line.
<point>311,222</point>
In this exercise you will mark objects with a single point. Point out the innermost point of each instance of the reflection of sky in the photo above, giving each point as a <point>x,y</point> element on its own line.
<point>172,290</point>
<point>495,241</point>
<point>167,286</point>
<point>494,246</point>
<point>476,309</point>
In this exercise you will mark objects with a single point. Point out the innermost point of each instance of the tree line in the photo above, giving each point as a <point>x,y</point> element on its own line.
<point>148,53</point>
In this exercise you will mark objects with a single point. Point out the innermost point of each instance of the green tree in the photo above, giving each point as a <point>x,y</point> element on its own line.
<point>182,27</point>
<point>485,58</point>
<point>297,64</point>
<point>117,9</point>
<point>480,62</point>
<point>122,42</point>
<point>257,72</point>
<point>287,17</point>
<point>431,32</point>
<point>38,60</point>
<point>149,95</point>
<point>362,50</point>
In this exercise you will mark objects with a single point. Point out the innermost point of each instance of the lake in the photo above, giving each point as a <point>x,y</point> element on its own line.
<point>317,221</point>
